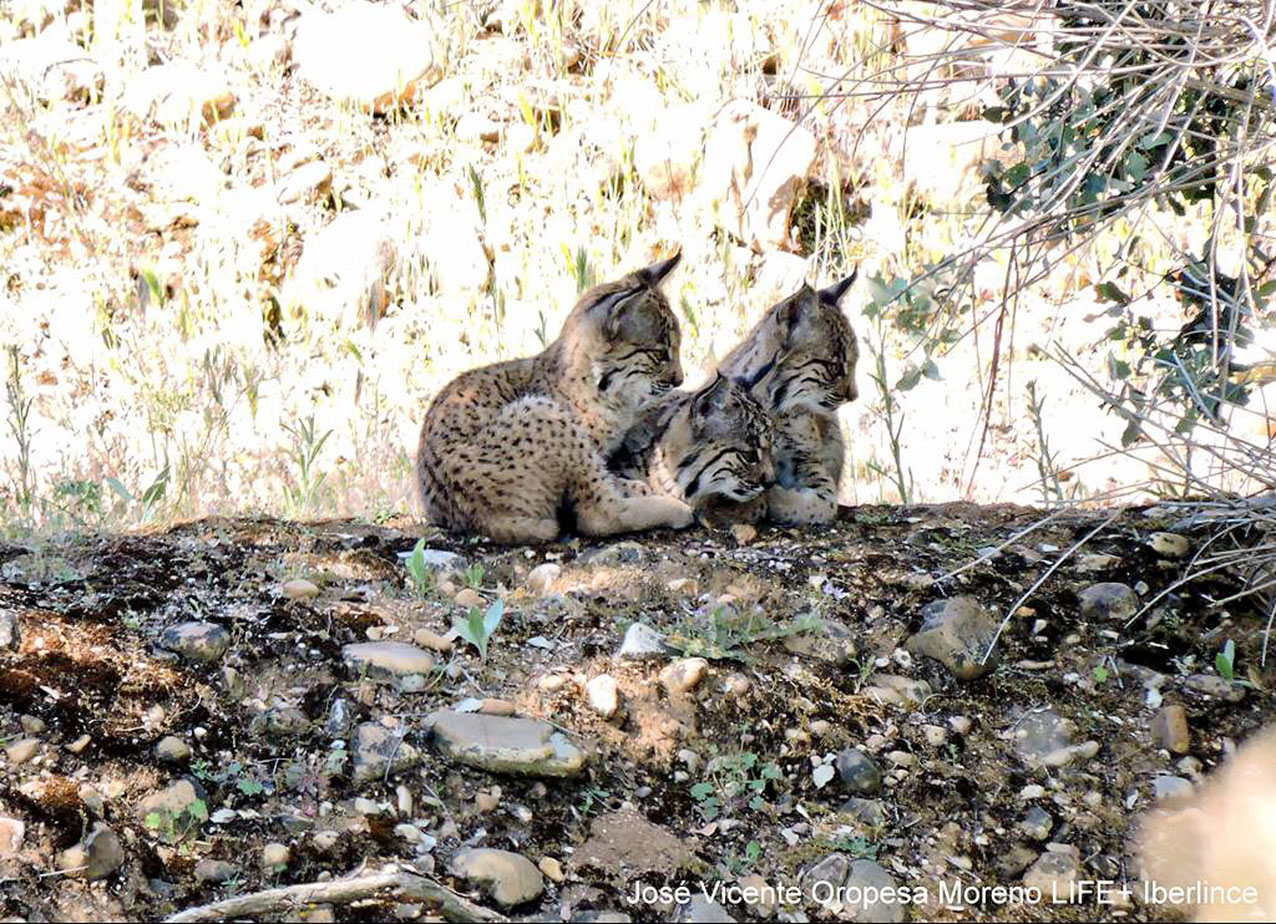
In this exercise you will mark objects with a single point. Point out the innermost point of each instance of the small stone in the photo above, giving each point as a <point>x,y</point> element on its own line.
<point>1170,731</point>
<point>642,643</point>
<point>32,725</point>
<point>551,868</point>
<point>214,871</point>
<point>1219,687</point>
<point>935,735</point>
<point>959,634</point>
<point>1109,602</point>
<point>275,858</point>
<point>234,683</point>
<point>468,597</point>
<point>604,695</point>
<point>870,881</point>
<point>832,642</point>
<point>172,750</point>
<point>340,718</point>
<point>683,675</point>
<point>506,877</point>
<point>398,664</point>
<point>737,685</point>
<point>1036,823</point>
<point>202,642</point>
<point>279,723</point>
<point>98,856</point>
<point>552,683</point>
<point>10,630</point>
<point>744,533</point>
<point>12,833</point>
<point>1053,873</point>
<point>701,909</point>
<point>403,801</point>
<point>505,745</point>
<point>375,748</point>
<point>543,576</point>
<point>486,802</point>
<point>869,812</point>
<point>960,724</point>
<point>1171,787</point>
<point>1092,562</point>
<point>893,690</point>
<point>300,589</point>
<point>1169,545</point>
<point>22,750</point>
<point>425,638</point>
<point>858,772</point>
<point>324,841</point>
<point>493,706</point>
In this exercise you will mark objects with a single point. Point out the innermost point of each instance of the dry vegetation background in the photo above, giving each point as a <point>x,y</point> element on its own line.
<point>244,244</point>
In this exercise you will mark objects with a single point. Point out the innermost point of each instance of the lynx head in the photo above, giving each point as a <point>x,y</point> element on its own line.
<point>802,354</point>
<point>626,334</point>
<point>720,446</point>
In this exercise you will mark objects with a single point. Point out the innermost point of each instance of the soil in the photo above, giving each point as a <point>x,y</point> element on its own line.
<point>716,783</point>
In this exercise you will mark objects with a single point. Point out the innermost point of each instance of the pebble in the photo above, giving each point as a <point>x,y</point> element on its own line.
<point>31,724</point>
<point>935,735</point>
<point>202,642</point>
<point>551,868</point>
<point>172,750</point>
<point>604,695</point>
<point>960,724</point>
<point>22,750</point>
<point>214,871</point>
<point>540,578</point>
<point>12,832</point>
<point>1171,787</point>
<point>502,744</point>
<point>403,801</point>
<point>508,878</point>
<point>486,802</point>
<point>374,748</point>
<point>398,664</point>
<point>492,706</point>
<point>468,597</point>
<point>324,841</point>
<point>1169,545</point>
<point>642,643</point>
<point>858,772</point>
<point>174,811</point>
<point>340,718</point>
<point>1054,871</point>
<point>958,633</point>
<point>683,675</point>
<point>893,690</point>
<point>1036,823</point>
<point>1170,730</point>
<point>1219,687</point>
<point>1109,602</point>
<point>275,858</point>
<point>79,744</point>
<point>832,642</point>
<point>300,589</point>
<point>96,857</point>
<point>425,638</point>
<point>701,909</point>
<point>10,630</point>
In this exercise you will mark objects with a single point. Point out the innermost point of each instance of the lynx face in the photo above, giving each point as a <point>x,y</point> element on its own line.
<point>801,355</point>
<point>633,338</point>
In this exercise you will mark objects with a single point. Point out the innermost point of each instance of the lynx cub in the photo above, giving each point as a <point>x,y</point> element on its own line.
<point>516,450</point>
<point>799,362</point>
<point>714,442</point>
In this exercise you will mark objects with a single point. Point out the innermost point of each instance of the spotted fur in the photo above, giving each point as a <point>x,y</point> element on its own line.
<point>516,450</point>
<point>799,362</point>
<point>699,445</point>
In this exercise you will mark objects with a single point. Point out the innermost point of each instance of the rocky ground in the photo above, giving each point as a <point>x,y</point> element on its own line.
<point>234,706</point>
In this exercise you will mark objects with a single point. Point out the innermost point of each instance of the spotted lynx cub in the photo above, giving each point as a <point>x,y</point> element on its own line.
<point>516,450</point>
<point>696,445</point>
<point>799,362</point>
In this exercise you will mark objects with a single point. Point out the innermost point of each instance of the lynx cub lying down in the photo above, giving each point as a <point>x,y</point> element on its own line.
<point>517,450</point>
<point>695,446</point>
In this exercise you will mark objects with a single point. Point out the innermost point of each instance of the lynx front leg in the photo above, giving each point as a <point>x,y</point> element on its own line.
<point>801,506</point>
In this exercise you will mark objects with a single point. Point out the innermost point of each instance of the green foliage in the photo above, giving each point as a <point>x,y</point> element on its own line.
<point>724,633</point>
<point>734,782</point>
<point>418,570</point>
<point>1225,661</point>
<point>477,628</point>
<point>149,500</point>
<point>306,446</point>
<point>472,576</point>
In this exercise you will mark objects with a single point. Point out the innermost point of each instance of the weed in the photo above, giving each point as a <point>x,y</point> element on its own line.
<point>725,633</point>
<point>150,498</point>
<point>477,628</point>
<point>172,828</point>
<point>1225,661</point>
<point>735,782</point>
<point>472,576</point>
<point>306,446</point>
<point>1047,469</point>
<point>20,426</point>
<point>418,571</point>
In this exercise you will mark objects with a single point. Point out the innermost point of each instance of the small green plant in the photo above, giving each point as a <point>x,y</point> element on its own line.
<point>735,781</point>
<point>1100,674</point>
<point>1047,468</point>
<point>593,799</point>
<point>741,864</point>
<point>1225,661</point>
<point>417,569</point>
<point>150,499</point>
<point>172,828</point>
<point>472,576</point>
<point>858,846</point>
<point>477,628</point>
<point>306,446</point>
<point>20,426</point>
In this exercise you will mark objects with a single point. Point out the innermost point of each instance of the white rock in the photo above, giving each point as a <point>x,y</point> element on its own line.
<point>604,695</point>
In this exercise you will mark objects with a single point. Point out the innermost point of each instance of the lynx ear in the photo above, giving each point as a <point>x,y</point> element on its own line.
<point>653,275</point>
<point>833,294</point>
<point>713,398</point>
<point>789,313</point>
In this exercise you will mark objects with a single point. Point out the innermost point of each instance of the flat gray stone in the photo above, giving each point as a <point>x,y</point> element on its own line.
<point>398,664</point>
<point>375,749</point>
<point>96,857</point>
<point>642,643</point>
<point>1109,601</point>
<point>858,772</point>
<point>957,633</point>
<point>504,744</point>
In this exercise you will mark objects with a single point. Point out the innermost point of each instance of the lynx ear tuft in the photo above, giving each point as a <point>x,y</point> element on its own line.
<point>653,275</point>
<point>834,293</point>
